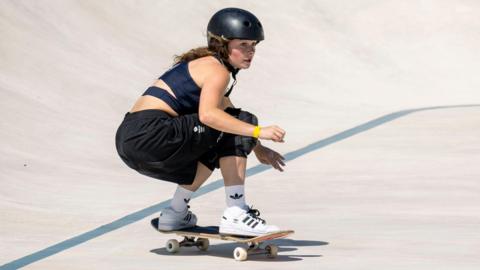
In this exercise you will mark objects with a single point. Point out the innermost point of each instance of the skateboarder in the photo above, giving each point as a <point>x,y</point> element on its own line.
<point>185,125</point>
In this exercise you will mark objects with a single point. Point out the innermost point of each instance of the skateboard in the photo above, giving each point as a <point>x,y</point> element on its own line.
<point>198,237</point>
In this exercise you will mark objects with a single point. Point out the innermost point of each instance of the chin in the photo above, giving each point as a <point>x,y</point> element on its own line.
<point>245,65</point>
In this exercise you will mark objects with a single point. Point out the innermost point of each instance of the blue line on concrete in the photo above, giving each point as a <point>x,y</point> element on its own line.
<point>139,215</point>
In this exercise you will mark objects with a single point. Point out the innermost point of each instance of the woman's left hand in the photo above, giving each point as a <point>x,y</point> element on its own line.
<point>269,157</point>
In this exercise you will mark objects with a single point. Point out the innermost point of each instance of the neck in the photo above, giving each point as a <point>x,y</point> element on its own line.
<point>227,64</point>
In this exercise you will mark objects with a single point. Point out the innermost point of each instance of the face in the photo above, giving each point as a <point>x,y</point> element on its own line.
<point>241,52</point>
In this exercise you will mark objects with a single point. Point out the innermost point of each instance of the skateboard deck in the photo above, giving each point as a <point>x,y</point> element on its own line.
<point>198,236</point>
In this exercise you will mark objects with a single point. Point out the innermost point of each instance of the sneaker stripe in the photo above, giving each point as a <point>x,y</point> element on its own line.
<point>246,219</point>
<point>254,225</point>
<point>251,221</point>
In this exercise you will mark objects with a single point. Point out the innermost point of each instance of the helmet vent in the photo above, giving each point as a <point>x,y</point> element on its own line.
<point>235,23</point>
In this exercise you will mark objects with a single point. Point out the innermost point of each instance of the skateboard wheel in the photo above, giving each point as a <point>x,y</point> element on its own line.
<point>240,254</point>
<point>203,244</point>
<point>272,251</point>
<point>172,246</point>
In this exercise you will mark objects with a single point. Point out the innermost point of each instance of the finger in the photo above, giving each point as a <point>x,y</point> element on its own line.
<point>280,129</point>
<point>279,168</point>
<point>279,156</point>
<point>274,165</point>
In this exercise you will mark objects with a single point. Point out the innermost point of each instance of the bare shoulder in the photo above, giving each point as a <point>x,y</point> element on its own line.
<point>208,68</point>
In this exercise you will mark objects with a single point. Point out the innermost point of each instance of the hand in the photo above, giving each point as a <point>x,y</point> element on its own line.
<point>274,133</point>
<point>269,157</point>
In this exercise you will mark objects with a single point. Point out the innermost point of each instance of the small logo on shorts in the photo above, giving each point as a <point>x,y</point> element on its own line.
<point>199,129</point>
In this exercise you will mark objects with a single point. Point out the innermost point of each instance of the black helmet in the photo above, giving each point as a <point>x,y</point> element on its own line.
<point>231,23</point>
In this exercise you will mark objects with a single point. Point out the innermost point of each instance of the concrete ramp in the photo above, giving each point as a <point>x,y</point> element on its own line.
<point>380,101</point>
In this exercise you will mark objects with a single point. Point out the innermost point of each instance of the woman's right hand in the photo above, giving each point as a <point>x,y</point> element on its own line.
<point>274,133</point>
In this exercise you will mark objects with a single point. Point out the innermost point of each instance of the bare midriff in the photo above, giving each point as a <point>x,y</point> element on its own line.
<point>197,71</point>
<point>153,103</point>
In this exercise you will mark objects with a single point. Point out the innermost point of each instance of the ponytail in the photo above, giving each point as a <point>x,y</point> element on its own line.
<point>216,46</point>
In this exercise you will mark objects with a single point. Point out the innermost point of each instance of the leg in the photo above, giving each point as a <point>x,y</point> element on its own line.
<point>178,216</point>
<point>183,193</point>
<point>238,218</point>
<point>233,170</point>
<point>200,177</point>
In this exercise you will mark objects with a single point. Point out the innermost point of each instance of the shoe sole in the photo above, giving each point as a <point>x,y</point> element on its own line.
<point>163,227</point>
<point>232,231</point>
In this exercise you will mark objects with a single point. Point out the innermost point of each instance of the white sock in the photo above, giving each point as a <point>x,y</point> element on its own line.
<point>235,196</point>
<point>180,199</point>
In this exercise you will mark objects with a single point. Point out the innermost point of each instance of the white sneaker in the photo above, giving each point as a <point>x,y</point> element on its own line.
<point>170,220</point>
<point>239,221</point>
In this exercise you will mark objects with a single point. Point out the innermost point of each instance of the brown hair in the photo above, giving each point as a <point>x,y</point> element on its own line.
<point>216,46</point>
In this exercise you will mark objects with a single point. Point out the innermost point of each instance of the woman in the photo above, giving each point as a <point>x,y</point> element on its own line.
<point>185,126</point>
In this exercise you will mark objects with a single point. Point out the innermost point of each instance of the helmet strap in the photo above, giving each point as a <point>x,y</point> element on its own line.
<point>229,66</point>
<point>234,75</point>
<point>231,69</point>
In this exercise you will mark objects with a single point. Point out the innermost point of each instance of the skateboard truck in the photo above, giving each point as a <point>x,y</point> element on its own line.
<point>241,254</point>
<point>173,245</point>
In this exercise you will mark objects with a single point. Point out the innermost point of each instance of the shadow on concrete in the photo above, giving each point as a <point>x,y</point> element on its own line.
<point>225,250</point>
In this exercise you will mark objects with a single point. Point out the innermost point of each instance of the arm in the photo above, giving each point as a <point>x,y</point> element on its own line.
<point>211,113</point>
<point>210,110</point>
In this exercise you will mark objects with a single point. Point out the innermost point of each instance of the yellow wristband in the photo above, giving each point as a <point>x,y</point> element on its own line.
<point>256,132</point>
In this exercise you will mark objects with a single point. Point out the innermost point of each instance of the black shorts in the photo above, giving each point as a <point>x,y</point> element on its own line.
<point>169,148</point>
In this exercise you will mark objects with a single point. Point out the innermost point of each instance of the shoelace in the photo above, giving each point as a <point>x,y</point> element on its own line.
<point>254,213</point>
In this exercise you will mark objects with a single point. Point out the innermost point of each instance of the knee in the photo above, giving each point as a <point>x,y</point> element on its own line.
<point>243,115</point>
<point>240,145</point>
<point>246,144</point>
<point>248,117</point>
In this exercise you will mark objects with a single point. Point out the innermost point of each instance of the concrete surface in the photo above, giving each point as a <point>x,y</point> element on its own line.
<point>380,101</point>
